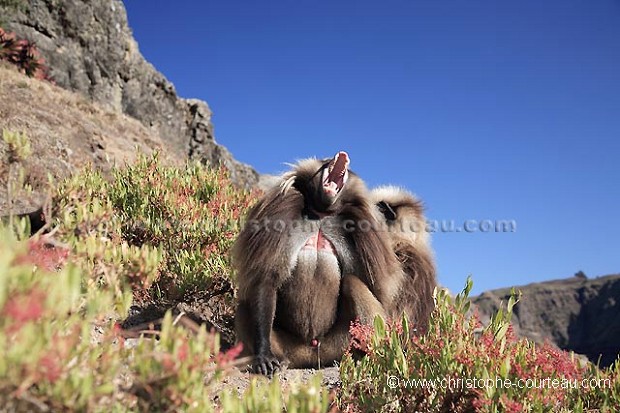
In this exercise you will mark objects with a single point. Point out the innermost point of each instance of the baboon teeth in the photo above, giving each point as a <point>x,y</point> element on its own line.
<point>336,173</point>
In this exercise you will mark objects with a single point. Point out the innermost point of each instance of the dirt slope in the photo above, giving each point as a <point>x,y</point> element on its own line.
<point>66,132</point>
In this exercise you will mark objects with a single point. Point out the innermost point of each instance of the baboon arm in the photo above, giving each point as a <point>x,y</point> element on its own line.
<point>264,312</point>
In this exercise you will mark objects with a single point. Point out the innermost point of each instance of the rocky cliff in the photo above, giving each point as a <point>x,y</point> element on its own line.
<point>90,49</point>
<point>578,314</point>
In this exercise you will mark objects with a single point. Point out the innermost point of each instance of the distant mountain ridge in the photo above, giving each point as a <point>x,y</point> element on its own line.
<point>90,49</point>
<point>578,314</point>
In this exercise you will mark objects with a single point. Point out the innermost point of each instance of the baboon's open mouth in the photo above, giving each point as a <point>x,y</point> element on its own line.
<point>336,174</point>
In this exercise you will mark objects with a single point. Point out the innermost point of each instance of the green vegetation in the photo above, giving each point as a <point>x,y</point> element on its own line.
<point>180,223</point>
<point>17,150</point>
<point>461,367</point>
<point>53,357</point>
<point>152,233</point>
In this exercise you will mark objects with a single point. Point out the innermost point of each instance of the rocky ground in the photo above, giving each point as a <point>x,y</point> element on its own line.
<point>238,380</point>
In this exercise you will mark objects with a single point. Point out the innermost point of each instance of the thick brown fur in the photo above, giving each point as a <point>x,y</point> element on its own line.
<point>356,303</point>
<point>274,303</point>
<point>286,203</point>
<point>406,226</point>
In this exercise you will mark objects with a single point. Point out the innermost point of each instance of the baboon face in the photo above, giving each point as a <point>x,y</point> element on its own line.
<point>327,184</point>
<point>397,205</point>
<point>387,210</point>
<point>403,213</point>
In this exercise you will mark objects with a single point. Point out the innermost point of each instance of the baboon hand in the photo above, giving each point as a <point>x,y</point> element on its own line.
<point>266,364</point>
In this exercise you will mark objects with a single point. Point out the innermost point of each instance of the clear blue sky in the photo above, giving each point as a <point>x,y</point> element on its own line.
<point>485,109</point>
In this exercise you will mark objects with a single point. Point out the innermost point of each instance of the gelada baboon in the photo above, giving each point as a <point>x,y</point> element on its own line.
<point>308,263</point>
<point>405,223</point>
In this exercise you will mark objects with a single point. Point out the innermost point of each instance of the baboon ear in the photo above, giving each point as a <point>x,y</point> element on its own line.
<point>387,210</point>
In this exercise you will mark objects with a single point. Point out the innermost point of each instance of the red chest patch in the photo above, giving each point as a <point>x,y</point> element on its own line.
<point>319,243</point>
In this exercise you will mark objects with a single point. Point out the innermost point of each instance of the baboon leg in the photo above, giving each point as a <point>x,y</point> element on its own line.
<point>358,302</point>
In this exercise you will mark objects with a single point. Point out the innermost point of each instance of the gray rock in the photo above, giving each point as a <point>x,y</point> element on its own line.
<point>90,49</point>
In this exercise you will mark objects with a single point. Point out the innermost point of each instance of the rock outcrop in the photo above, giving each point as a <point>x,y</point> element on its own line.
<point>578,314</point>
<point>90,49</point>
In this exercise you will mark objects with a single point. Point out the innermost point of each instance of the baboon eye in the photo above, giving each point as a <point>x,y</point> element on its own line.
<point>387,211</point>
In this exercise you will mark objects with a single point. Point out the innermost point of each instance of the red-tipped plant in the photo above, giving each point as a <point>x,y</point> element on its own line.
<point>23,54</point>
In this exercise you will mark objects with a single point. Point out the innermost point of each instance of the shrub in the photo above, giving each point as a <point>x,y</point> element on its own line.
<point>447,369</point>
<point>18,146</point>
<point>23,54</point>
<point>18,149</point>
<point>61,350</point>
<point>180,222</point>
